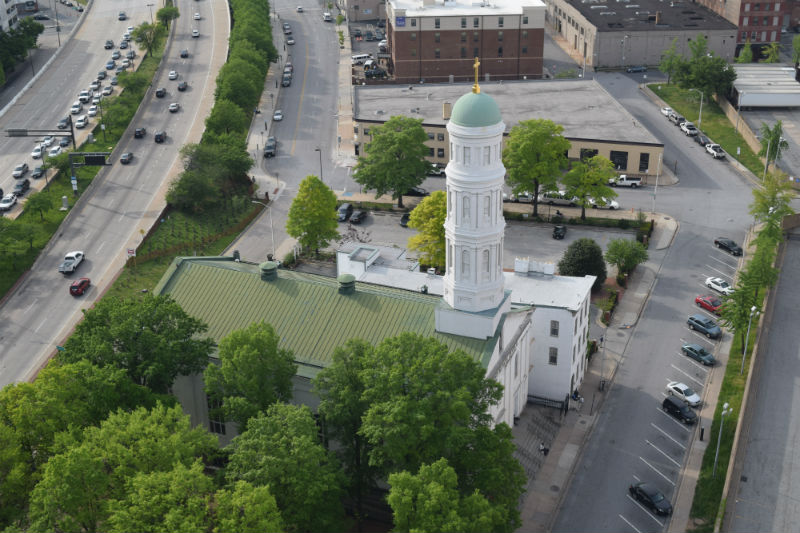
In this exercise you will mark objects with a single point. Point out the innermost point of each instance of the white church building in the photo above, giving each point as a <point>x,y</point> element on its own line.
<point>528,328</point>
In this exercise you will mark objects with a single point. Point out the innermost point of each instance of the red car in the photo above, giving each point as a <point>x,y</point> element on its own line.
<point>79,286</point>
<point>709,302</point>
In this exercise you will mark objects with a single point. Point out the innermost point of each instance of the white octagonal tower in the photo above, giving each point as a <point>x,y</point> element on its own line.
<point>474,225</point>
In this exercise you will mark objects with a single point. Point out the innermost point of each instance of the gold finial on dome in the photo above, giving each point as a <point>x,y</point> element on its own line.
<point>476,88</point>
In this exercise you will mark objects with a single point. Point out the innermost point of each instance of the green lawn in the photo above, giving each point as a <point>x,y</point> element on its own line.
<point>715,125</point>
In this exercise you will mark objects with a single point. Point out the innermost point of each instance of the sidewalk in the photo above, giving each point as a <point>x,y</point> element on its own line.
<point>566,435</point>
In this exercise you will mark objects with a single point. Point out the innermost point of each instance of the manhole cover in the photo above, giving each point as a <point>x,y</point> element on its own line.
<point>744,479</point>
<point>555,488</point>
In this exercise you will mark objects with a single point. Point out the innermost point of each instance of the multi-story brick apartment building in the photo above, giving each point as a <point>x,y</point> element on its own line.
<point>436,41</point>
<point>760,22</point>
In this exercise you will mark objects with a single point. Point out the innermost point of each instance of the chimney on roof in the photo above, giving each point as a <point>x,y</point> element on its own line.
<point>269,270</point>
<point>658,18</point>
<point>447,108</point>
<point>347,284</point>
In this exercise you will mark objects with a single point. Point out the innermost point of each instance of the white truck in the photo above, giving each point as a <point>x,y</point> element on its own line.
<point>71,262</point>
<point>327,17</point>
<point>625,181</point>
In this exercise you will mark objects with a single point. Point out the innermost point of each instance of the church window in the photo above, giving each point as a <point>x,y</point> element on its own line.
<point>485,264</point>
<point>465,208</point>
<point>466,156</point>
<point>450,257</point>
<point>465,263</point>
<point>554,328</point>
<point>553,358</point>
<point>487,151</point>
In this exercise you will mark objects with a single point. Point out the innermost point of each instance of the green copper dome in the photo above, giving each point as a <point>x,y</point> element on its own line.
<point>475,110</point>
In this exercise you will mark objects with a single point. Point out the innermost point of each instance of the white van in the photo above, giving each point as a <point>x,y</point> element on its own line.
<point>359,59</point>
<point>625,181</point>
<point>327,17</point>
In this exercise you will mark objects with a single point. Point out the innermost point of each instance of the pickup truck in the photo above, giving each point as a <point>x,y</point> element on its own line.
<point>625,181</point>
<point>71,262</point>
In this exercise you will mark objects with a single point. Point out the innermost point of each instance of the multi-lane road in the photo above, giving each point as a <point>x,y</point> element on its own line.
<point>125,199</point>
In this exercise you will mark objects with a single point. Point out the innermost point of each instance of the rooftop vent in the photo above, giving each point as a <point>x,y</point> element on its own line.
<point>269,270</point>
<point>347,284</point>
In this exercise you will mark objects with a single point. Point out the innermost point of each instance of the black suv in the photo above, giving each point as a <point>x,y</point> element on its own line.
<point>109,44</point>
<point>21,187</point>
<point>161,92</point>
<point>345,210</point>
<point>138,133</point>
<point>724,243</point>
<point>358,217</point>
<point>271,148</point>
<point>160,136</point>
<point>675,407</point>
<point>559,232</point>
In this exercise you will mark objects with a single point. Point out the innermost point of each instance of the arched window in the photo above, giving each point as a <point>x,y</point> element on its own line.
<point>465,208</point>
<point>465,263</point>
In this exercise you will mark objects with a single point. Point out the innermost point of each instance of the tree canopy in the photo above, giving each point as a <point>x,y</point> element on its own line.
<point>584,257</point>
<point>772,142</point>
<point>625,254</point>
<point>312,216</point>
<point>151,338</point>
<point>534,157</point>
<point>588,180</point>
<point>252,374</point>
<point>394,159</point>
<point>428,219</point>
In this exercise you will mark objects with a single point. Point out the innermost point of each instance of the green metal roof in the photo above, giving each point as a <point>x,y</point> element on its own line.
<point>307,310</point>
<point>475,110</point>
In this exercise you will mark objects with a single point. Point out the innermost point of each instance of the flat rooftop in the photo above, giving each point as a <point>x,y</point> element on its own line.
<point>633,15</point>
<point>415,8</point>
<point>583,107</point>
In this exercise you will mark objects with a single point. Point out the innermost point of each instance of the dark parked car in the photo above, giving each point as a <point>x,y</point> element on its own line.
<point>123,45</point>
<point>345,210</point>
<point>404,220</point>
<point>101,75</point>
<point>109,44</point>
<point>651,498</point>
<point>79,286</point>
<point>636,68</point>
<point>679,410</point>
<point>704,325</point>
<point>677,119</point>
<point>160,136</point>
<point>65,141</point>
<point>182,86</point>
<point>377,73</point>
<point>724,243</point>
<point>161,92</point>
<point>126,158</point>
<point>699,354</point>
<point>559,232</point>
<point>271,148</point>
<point>358,217</point>
<point>701,139</point>
<point>416,191</point>
<point>138,133</point>
<point>21,187</point>
<point>38,172</point>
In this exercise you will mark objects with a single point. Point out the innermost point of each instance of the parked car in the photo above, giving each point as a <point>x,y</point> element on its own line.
<point>82,121</point>
<point>37,173</point>
<point>650,497</point>
<point>666,111</point>
<point>358,217</point>
<point>92,111</point>
<point>63,123</point>
<point>123,44</point>
<point>115,55</point>
<point>37,151</point>
<point>126,158</point>
<point>709,302</point>
<point>559,232</point>
<point>716,151</point>
<point>416,191</point>
<point>76,108</point>
<point>724,243</point>
<point>719,285</point>
<point>701,139</point>
<point>138,133</point>
<point>21,187</point>
<point>20,170</point>
<point>271,148</point>
<point>344,212</point>
<point>689,129</point>
<point>54,151</point>
<point>623,180</point>
<point>676,119</point>
<point>130,54</point>
<point>603,203</point>
<point>64,141</point>
<point>636,68</point>
<point>675,407</point>
<point>683,392</point>
<point>8,201</point>
<point>107,90</point>
<point>704,325</point>
<point>79,286</point>
<point>699,354</point>
<point>110,64</point>
<point>556,198</point>
<point>404,220</point>
<point>95,85</point>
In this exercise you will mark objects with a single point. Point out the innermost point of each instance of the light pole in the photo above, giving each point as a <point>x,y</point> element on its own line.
<point>58,26</point>
<point>622,46</point>
<point>271,229</point>
<point>151,13</point>
<point>320,164</point>
<point>753,312</point>
<point>766,163</point>
<point>726,409</point>
<point>700,117</point>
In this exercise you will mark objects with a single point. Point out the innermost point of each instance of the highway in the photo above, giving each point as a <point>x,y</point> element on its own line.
<point>123,200</point>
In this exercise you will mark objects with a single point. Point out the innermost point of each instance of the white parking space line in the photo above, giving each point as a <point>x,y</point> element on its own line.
<point>725,263</point>
<point>629,524</point>
<point>667,435</point>
<point>687,375</point>
<point>657,471</point>
<point>696,334</point>
<point>721,273</point>
<point>662,452</point>
<point>680,424</point>
<point>693,362</point>
<point>643,508</point>
<point>705,339</point>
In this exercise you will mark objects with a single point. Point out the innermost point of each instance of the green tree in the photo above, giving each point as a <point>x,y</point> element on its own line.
<point>772,53</point>
<point>430,501</point>
<point>227,117</point>
<point>15,476</point>
<point>151,337</point>
<point>253,373</point>
<point>746,53</point>
<point>77,484</point>
<point>39,201</point>
<point>167,14</point>
<point>625,254</point>
<point>588,180</point>
<point>771,202</point>
<point>174,501</point>
<point>735,312</point>
<point>428,219</point>
<point>280,449</point>
<point>342,407</point>
<point>394,160</point>
<point>772,142</point>
<point>671,60</point>
<point>584,257</point>
<point>312,217</point>
<point>241,83</point>
<point>760,272</point>
<point>194,191</point>
<point>134,81</point>
<point>705,71</point>
<point>245,508</point>
<point>147,36</point>
<point>534,157</point>
<point>796,49</point>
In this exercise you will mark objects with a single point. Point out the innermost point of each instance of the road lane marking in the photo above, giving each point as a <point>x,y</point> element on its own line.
<point>657,471</point>
<point>40,326</point>
<point>647,511</point>
<point>687,375</point>
<point>300,105</point>
<point>670,417</point>
<point>631,525</point>
<point>667,435</point>
<point>662,452</point>
<point>97,252</point>
<point>30,306</point>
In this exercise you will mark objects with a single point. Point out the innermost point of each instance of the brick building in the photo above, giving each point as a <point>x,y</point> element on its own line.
<point>760,22</point>
<point>437,41</point>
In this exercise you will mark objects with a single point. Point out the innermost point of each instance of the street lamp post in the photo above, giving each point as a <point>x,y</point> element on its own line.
<point>700,117</point>
<point>320,164</point>
<point>726,409</point>
<point>271,229</point>
<point>753,312</point>
<point>151,13</point>
<point>622,46</point>
<point>766,162</point>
